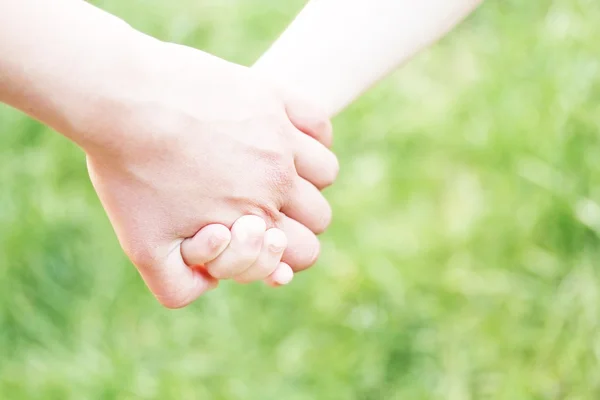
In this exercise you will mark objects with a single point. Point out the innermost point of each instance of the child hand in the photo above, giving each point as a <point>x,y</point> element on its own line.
<point>247,253</point>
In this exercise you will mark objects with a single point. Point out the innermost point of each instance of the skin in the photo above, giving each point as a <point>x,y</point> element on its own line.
<point>198,165</point>
<point>213,240</point>
<point>176,140</point>
<point>163,124</point>
<point>334,50</point>
<point>312,56</point>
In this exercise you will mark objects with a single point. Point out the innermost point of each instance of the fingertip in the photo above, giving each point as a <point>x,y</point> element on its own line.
<point>247,235</point>
<point>311,120</point>
<point>206,245</point>
<point>249,227</point>
<point>219,238</point>
<point>276,240</point>
<point>281,276</point>
<point>303,247</point>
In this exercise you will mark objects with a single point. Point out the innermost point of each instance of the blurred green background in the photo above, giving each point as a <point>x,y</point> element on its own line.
<point>462,262</point>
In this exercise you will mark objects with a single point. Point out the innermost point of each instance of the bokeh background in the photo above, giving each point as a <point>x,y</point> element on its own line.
<point>463,262</point>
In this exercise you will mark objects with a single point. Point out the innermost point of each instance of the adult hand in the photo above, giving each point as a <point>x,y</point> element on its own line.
<point>192,140</point>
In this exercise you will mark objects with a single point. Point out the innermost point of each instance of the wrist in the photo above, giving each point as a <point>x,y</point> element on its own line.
<point>94,114</point>
<point>93,100</point>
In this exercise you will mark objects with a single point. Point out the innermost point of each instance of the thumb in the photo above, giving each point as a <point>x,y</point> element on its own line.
<point>173,283</point>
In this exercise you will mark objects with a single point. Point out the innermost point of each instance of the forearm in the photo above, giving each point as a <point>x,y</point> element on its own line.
<point>336,49</point>
<point>58,60</point>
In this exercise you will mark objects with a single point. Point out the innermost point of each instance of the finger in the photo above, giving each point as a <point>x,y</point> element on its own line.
<point>246,241</point>
<point>310,120</point>
<point>206,245</point>
<point>303,246</point>
<point>174,284</point>
<point>274,244</point>
<point>314,162</point>
<point>308,206</point>
<point>281,276</point>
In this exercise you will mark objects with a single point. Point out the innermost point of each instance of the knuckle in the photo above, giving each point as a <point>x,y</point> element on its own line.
<point>278,170</point>
<point>263,207</point>
<point>282,178</point>
<point>268,212</point>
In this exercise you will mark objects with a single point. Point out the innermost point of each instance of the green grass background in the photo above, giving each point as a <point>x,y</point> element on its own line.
<point>463,262</point>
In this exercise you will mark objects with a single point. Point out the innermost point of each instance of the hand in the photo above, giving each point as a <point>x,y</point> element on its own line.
<point>201,251</point>
<point>196,140</point>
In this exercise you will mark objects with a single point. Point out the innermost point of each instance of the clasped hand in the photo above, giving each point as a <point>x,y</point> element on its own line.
<point>193,143</point>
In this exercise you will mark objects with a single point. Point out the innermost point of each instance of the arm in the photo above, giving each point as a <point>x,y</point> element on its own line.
<point>176,139</point>
<point>336,49</point>
<point>59,60</point>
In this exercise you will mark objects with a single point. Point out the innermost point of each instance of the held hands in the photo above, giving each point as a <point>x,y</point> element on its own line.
<point>215,247</point>
<point>193,144</point>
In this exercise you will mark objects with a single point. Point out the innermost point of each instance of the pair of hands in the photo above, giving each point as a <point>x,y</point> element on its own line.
<point>180,141</point>
<point>189,145</point>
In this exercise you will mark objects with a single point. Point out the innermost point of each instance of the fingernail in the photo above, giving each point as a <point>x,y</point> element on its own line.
<point>218,239</point>
<point>276,248</point>
<point>276,239</point>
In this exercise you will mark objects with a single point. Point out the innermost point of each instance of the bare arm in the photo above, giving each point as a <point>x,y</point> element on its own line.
<point>176,139</point>
<point>59,59</point>
<point>336,49</point>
